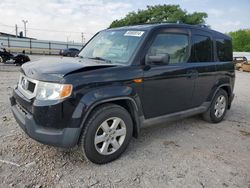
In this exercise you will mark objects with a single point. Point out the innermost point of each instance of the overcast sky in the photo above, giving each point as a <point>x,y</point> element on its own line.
<point>65,19</point>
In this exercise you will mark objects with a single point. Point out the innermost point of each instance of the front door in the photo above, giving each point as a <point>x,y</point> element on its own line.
<point>168,88</point>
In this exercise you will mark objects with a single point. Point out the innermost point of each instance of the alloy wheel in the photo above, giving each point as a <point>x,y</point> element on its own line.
<point>220,106</point>
<point>110,136</point>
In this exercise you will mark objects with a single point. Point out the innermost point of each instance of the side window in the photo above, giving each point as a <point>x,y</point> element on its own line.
<point>176,45</point>
<point>201,50</point>
<point>224,50</point>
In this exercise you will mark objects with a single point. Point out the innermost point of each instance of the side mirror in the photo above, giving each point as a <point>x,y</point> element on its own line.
<point>157,59</point>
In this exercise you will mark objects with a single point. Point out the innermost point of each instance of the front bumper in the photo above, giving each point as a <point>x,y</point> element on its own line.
<point>65,137</point>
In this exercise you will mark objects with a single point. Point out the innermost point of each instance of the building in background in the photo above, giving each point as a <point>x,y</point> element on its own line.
<point>2,34</point>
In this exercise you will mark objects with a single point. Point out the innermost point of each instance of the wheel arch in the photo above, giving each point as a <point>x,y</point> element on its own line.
<point>122,95</point>
<point>228,90</point>
<point>126,102</point>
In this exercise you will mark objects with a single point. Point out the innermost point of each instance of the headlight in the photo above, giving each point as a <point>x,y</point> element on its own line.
<point>53,91</point>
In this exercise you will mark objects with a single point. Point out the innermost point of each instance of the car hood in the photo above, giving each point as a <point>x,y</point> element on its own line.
<point>54,69</point>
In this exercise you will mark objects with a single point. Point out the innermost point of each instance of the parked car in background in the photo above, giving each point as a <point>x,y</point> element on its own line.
<point>71,52</point>
<point>4,55</point>
<point>242,59</point>
<point>123,79</point>
<point>18,59</point>
<point>242,64</point>
<point>239,62</point>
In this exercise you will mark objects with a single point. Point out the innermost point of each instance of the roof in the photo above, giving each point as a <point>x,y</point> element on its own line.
<point>147,27</point>
<point>11,35</point>
<point>6,34</point>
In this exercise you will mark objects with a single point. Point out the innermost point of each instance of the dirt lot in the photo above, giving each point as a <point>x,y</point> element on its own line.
<point>186,153</point>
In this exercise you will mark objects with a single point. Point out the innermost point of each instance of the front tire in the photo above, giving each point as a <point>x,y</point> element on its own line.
<point>217,111</point>
<point>107,133</point>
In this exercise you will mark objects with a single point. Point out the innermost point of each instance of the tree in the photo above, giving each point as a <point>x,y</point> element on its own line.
<point>241,40</point>
<point>161,13</point>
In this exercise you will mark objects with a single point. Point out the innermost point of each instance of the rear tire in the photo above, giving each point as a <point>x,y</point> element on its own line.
<point>218,108</point>
<point>1,59</point>
<point>107,133</point>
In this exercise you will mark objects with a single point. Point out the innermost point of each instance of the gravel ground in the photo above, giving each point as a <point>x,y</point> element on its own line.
<point>185,153</point>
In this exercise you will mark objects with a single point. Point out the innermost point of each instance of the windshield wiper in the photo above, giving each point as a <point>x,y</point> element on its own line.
<point>100,59</point>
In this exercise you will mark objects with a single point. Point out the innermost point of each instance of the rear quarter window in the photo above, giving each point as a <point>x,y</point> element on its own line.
<point>201,50</point>
<point>224,50</point>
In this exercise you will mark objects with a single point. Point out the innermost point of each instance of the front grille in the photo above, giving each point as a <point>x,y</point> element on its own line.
<point>27,86</point>
<point>31,86</point>
<point>21,109</point>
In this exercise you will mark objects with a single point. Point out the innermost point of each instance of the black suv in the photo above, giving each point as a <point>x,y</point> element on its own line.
<point>125,78</point>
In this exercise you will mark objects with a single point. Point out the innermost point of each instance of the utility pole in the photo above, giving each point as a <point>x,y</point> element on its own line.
<point>83,38</point>
<point>25,29</point>
<point>16,30</point>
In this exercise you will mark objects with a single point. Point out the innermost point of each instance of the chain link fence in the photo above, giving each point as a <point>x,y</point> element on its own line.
<point>33,46</point>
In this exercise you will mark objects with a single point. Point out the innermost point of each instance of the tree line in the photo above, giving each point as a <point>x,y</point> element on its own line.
<point>241,40</point>
<point>174,14</point>
<point>160,13</point>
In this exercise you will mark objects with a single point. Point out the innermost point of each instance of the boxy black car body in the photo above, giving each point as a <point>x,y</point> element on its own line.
<point>151,92</point>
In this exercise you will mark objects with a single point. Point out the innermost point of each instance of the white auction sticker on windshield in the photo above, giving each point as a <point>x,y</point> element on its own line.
<point>134,33</point>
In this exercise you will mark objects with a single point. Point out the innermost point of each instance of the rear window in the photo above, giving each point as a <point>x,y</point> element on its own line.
<point>224,50</point>
<point>201,50</point>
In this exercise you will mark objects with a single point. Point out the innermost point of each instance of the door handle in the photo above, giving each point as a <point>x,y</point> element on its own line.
<point>192,74</point>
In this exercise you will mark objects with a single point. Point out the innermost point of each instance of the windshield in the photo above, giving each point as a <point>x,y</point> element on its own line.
<point>113,46</point>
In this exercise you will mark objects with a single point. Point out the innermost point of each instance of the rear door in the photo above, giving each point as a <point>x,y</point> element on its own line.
<point>202,61</point>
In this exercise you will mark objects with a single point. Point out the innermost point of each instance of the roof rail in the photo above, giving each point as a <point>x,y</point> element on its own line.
<point>177,22</point>
<point>203,26</point>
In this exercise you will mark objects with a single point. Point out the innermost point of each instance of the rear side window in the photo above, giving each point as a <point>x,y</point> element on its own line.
<point>224,50</point>
<point>201,50</point>
<point>176,45</point>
